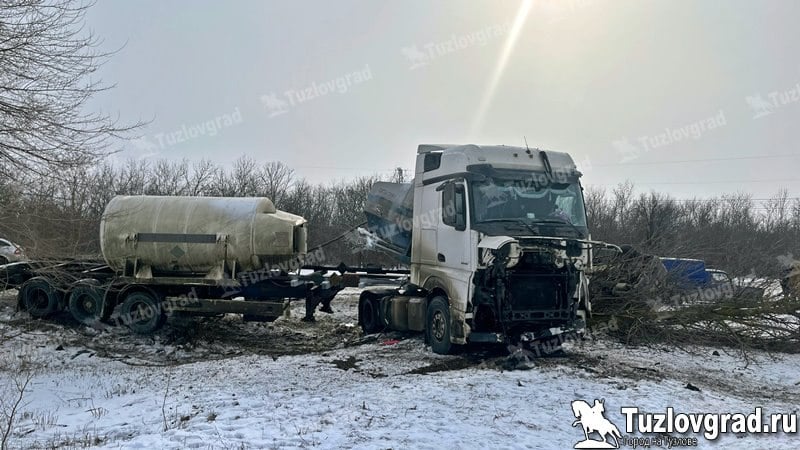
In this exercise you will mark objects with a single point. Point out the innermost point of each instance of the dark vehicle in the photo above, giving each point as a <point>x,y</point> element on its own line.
<point>12,275</point>
<point>697,282</point>
<point>630,271</point>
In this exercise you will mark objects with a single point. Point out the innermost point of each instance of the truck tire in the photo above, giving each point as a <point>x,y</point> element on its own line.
<point>368,316</point>
<point>39,297</point>
<point>142,312</point>
<point>86,302</point>
<point>437,326</point>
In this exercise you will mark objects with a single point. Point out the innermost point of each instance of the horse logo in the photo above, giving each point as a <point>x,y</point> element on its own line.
<point>146,146</point>
<point>275,105</point>
<point>417,57</point>
<point>628,150</point>
<point>592,420</point>
<point>760,106</point>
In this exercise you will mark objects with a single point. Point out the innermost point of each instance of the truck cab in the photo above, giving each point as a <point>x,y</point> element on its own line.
<point>497,242</point>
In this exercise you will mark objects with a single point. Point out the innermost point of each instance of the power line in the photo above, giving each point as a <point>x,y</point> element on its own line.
<point>679,161</point>
<point>785,180</point>
<point>701,200</point>
<point>343,168</point>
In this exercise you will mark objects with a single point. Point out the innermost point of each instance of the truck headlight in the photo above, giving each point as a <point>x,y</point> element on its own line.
<point>514,253</point>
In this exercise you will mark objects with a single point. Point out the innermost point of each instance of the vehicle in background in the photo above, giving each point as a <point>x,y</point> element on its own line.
<point>632,271</point>
<point>687,274</point>
<point>790,279</point>
<point>12,275</point>
<point>696,282</point>
<point>674,280</point>
<point>498,245</point>
<point>10,252</point>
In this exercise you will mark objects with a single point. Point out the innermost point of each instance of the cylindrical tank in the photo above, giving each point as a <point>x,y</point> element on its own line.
<point>198,234</point>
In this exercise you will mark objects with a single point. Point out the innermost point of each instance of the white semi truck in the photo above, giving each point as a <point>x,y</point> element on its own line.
<point>497,242</point>
<point>496,239</point>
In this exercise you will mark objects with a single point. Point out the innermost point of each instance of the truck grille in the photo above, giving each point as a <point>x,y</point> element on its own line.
<point>534,296</point>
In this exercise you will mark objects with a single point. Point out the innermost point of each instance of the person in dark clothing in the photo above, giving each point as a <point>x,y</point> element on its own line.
<point>313,299</point>
<point>790,281</point>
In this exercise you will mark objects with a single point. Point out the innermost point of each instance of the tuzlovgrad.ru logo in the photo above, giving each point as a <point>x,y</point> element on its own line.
<point>670,428</point>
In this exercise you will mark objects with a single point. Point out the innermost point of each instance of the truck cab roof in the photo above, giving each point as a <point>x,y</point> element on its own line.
<point>444,159</point>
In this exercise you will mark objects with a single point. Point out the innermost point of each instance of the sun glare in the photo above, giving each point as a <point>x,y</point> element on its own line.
<point>500,66</point>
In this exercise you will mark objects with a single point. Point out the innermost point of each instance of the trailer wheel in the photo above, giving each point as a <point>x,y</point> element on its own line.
<point>368,316</point>
<point>39,297</point>
<point>437,326</point>
<point>142,312</point>
<point>86,302</point>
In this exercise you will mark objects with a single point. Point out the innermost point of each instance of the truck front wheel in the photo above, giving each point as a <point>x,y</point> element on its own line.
<point>368,314</point>
<point>437,326</point>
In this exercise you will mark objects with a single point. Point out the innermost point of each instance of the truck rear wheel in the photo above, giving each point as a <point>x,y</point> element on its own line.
<point>437,326</point>
<point>39,297</point>
<point>368,316</point>
<point>86,302</point>
<point>142,312</point>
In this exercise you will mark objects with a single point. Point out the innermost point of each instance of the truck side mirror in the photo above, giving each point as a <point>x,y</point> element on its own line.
<point>454,206</point>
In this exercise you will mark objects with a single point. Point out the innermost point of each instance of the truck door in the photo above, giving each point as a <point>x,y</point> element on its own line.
<point>452,235</point>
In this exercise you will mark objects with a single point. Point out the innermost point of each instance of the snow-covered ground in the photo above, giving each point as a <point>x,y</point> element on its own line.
<point>344,391</point>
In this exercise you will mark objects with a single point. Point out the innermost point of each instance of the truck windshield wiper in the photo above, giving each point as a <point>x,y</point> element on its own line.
<point>560,222</point>
<point>517,220</point>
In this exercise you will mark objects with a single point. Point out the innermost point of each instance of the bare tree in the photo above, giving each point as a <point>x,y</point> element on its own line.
<point>244,181</point>
<point>777,211</point>
<point>47,62</point>
<point>656,215</point>
<point>198,181</point>
<point>132,178</point>
<point>277,179</point>
<point>168,178</point>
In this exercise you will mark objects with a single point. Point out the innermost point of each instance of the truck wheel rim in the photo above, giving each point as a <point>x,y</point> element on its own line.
<point>142,312</point>
<point>39,299</point>
<point>88,305</point>
<point>438,326</point>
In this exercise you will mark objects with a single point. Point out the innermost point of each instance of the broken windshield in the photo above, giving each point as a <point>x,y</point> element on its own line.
<point>518,200</point>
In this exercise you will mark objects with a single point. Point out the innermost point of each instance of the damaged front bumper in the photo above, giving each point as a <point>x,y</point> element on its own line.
<point>578,328</point>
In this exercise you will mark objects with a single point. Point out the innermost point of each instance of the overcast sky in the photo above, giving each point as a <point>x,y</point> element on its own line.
<point>632,89</point>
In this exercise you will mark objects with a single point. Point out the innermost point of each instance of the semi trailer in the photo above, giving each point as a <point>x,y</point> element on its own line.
<point>497,242</point>
<point>182,255</point>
